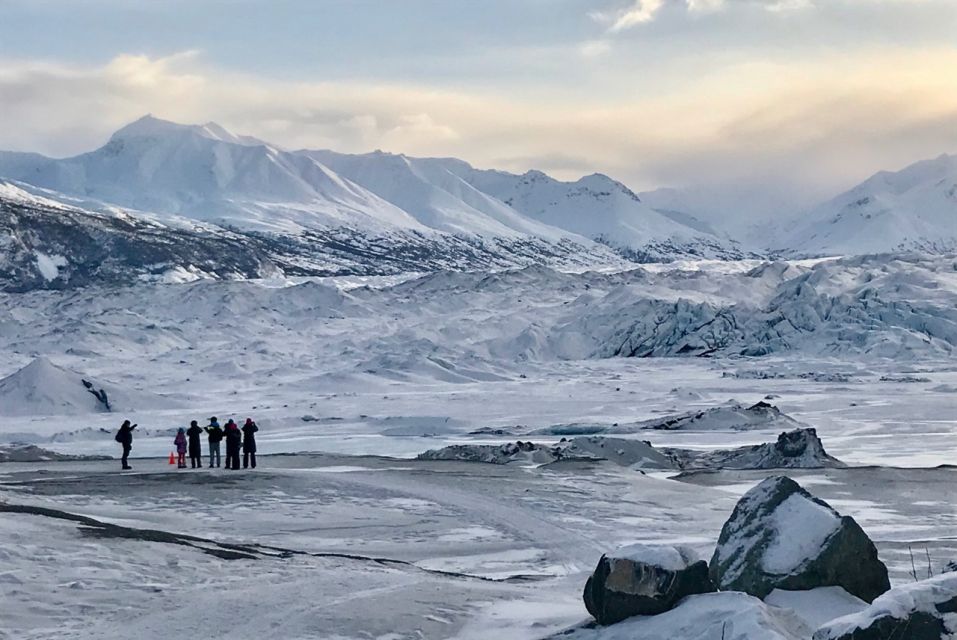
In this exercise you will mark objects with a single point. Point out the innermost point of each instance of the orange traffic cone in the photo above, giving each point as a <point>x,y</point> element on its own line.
<point>172,458</point>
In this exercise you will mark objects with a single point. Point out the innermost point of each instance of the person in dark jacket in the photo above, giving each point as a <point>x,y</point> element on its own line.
<point>195,446</point>
<point>215,437</point>
<point>234,438</point>
<point>249,443</point>
<point>125,437</point>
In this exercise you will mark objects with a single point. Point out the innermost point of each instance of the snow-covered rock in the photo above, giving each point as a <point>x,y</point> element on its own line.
<point>710,616</point>
<point>42,388</point>
<point>731,417</point>
<point>925,610</point>
<point>628,453</point>
<point>641,580</point>
<point>798,449</point>
<point>781,537</point>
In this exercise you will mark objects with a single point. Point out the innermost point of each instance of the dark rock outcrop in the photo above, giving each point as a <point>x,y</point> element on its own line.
<point>798,449</point>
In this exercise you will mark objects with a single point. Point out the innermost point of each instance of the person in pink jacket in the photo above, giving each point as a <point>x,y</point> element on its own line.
<point>180,442</point>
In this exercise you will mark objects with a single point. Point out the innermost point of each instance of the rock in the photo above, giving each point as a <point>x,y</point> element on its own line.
<point>798,449</point>
<point>920,611</point>
<point>644,580</point>
<point>730,417</point>
<point>781,537</point>
<point>628,453</point>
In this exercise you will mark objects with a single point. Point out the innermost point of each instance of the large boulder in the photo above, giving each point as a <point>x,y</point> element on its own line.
<point>781,537</point>
<point>925,610</point>
<point>644,580</point>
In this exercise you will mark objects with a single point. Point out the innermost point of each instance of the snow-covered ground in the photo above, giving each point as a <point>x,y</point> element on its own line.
<point>361,540</point>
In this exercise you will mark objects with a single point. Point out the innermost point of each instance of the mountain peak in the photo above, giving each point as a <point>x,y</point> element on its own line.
<point>149,126</point>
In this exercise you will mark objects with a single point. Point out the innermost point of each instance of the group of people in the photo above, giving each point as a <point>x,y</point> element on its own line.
<point>189,441</point>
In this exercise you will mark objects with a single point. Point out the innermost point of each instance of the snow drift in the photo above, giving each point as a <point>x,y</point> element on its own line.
<point>42,388</point>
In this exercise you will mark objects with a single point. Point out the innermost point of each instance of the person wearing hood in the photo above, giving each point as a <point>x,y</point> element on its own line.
<point>125,437</point>
<point>180,442</point>
<point>195,446</point>
<point>215,433</point>
<point>234,438</point>
<point>249,443</point>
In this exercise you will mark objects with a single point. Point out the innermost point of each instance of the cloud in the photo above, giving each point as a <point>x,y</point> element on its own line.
<point>822,122</point>
<point>705,6</point>
<point>594,48</point>
<point>639,12</point>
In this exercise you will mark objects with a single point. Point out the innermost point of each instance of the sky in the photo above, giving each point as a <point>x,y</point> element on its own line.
<point>798,97</point>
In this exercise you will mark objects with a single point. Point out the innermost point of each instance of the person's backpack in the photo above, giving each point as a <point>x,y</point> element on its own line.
<point>118,437</point>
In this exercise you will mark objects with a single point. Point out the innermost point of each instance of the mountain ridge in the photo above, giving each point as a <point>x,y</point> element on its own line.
<point>207,173</point>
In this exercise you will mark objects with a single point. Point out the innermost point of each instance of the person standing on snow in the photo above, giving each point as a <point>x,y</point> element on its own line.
<point>234,438</point>
<point>180,442</point>
<point>215,437</point>
<point>195,449</point>
<point>249,443</point>
<point>125,437</point>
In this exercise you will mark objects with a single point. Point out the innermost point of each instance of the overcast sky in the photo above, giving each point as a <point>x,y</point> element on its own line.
<point>812,93</point>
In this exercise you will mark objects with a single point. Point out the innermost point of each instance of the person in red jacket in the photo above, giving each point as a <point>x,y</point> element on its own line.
<point>180,442</point>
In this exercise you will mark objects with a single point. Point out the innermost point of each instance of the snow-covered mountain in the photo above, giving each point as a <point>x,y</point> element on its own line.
<point>603,209</point>
<point>49,244</point>
<point>446,191</point>
<point>911,209</point>
<point>205,173</point>
<point>433,195</point>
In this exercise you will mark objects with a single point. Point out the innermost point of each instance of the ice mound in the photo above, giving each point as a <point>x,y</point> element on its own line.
<point>799,449</point>
<point>629,453</point>
<point>33,453</point>
<point>731,417</point>
<point>43,389</point>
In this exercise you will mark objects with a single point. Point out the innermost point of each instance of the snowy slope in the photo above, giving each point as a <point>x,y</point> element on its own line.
<point>51,244</point>
<point>912,209</point>
<point>42,388</point>
<point>435,196</point>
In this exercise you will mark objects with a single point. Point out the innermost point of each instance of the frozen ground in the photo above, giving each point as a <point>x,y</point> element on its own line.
<point>361,541</point>
<point>474,550</point>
